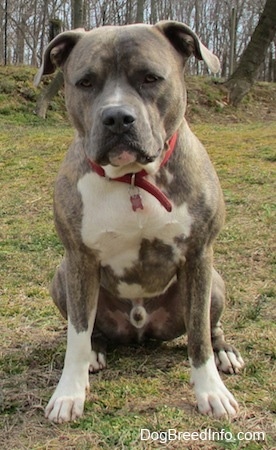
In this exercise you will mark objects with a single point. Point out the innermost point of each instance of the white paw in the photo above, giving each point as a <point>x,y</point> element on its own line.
<point>97,362</point>
<point>65,408</point>
<point>67,402</point>
<point>212,396</point>
<point>228,361</point>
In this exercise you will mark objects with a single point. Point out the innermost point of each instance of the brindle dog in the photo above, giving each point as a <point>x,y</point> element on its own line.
<point>137,206</point>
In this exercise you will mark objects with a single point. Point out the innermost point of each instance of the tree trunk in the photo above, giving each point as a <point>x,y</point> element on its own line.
<point>233,37</point>
<point>241,81</point>
<point>140,11</point>
<point>77,13</point>
<point>153,16</point>
<point>128,16</point>
<point>55,26</point>
<point>6,34</point>
<point>20,41</point>
<point>47,94</point>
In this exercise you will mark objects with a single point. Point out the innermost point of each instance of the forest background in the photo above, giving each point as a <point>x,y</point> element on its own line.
<point>225,27</point>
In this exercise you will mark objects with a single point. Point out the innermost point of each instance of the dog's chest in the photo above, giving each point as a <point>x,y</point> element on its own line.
<point>133,246</point>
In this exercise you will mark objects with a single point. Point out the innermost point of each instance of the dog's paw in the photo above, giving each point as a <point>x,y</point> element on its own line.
<point>97,362</point>
<point>213,398</point>
<point>67,402</point>
<point>229,360</point>
<point>218,402</point>
<point>64,409</point>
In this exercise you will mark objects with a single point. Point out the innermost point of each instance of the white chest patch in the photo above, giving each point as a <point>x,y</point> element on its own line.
<point>115,231</point>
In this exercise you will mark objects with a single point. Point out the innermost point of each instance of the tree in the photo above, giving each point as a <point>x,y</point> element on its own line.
<point>140,11</point>
<point>77,13</point>
<point>47,94</point>
<point>246,73</point>
<point>6,33</point>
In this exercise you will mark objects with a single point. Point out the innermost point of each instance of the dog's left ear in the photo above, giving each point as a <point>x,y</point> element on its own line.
<point>187,42</point>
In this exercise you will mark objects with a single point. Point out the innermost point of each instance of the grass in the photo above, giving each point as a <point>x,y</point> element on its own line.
<point>143,387</point>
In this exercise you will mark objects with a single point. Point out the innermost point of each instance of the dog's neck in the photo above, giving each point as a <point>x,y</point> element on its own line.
<point>137,180</point>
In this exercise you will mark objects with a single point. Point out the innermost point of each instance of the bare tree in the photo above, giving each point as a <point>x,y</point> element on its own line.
<point>209,18</point>
<point>77,13</point>
<point>25,25</point>
<point>254,55</point>
<point>5,22</point>
<point>140,11</point>
<point>47,94</point>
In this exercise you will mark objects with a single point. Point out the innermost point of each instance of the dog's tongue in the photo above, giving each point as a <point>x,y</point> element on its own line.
<point>122,159</point>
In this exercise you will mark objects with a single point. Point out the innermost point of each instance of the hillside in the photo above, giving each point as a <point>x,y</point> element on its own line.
<point>207,100</point>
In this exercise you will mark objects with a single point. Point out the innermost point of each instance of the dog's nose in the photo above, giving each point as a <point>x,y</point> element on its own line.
<point>118,119</point>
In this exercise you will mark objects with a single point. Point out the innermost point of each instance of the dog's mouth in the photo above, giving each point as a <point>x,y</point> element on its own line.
<point>123,154</point>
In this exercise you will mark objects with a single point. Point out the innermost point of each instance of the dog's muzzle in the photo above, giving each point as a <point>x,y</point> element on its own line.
<point>122,147</point>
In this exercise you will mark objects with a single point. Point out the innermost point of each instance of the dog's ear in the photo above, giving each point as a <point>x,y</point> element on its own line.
<point>187,42</point>
<point>57,52</point>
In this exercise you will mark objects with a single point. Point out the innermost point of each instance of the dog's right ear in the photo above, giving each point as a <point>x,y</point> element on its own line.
<point>57,52</point>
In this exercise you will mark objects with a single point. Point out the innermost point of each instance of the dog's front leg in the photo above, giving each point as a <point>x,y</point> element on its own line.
<point>82,287</point>
<point>212,396</point>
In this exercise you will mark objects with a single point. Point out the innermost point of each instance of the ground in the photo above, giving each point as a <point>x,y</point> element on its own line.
<point>143,387</point>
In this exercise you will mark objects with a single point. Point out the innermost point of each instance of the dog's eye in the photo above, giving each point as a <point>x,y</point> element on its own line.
<point>85,83</point>
<point>150,78</point>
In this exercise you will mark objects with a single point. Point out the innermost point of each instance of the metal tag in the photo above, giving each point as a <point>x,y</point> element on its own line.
<point>136,202</point>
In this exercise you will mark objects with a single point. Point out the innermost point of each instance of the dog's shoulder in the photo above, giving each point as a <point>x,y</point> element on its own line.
<point>67,199</point>
<point>189,176</point>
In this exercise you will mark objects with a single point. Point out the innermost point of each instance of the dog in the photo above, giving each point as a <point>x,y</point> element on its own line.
<point>137,206</point>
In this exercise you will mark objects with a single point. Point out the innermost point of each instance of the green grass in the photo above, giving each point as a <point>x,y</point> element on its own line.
<point>148,386</point>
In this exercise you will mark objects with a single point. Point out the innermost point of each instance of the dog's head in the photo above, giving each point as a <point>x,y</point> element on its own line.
<point>124,88</point>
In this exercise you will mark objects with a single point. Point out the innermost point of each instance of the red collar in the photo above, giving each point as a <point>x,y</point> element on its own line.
<point>138,180</point>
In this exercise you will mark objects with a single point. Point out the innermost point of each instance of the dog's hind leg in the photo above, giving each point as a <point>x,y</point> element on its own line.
<point>98,356</point>
<point>227,358</point>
